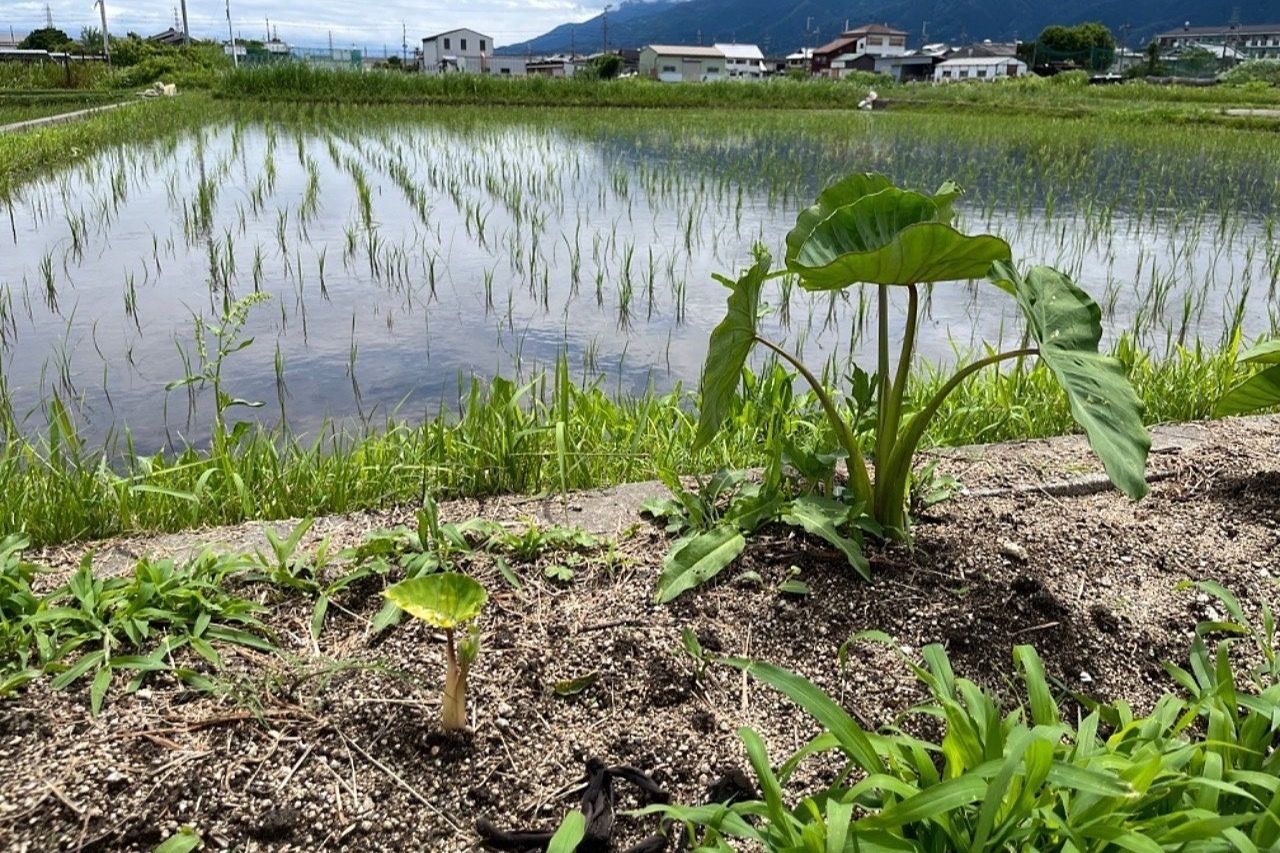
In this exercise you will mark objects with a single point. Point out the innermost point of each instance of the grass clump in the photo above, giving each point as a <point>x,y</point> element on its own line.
<point>1197,772</point>
<point>543,437</point>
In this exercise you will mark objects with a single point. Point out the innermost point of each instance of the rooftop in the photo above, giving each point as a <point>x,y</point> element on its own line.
<point>1241,29</point>
<point>980,60</point>
<point>685,50</point>
<point>458,30</point>
<point>835,45</point>
<point>874,30</point>
<point>740,51</point>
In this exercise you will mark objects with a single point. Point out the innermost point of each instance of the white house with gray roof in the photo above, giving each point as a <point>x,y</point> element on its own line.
<point>461,50</point>
<point>742,61</point>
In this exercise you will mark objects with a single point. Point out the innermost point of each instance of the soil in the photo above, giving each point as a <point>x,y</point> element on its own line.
<point>339,746</point>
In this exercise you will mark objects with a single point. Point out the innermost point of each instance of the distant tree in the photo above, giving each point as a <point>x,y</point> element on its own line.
<point>609,66</point>
<point>1153,59</point>
<point>393,62</point>
<point>1077,39</point>
<point>1090,44</point>
<point>46,38</point>
<point>91,39</point>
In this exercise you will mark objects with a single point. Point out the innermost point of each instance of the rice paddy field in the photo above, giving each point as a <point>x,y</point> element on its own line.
<point>349,280</point>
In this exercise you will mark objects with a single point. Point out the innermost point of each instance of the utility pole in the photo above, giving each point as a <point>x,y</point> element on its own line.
<point>106,37</point>
<point>404,43</point>
<point>186,27</point>
<point>235,60</point>
<point>605,26</point>
<point>48,16</point>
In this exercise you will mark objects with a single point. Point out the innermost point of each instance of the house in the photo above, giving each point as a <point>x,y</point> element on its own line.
<point>986,48</point>
<point>1250,41</point>
<point>681,63</point>
<point>800,60</point>
<point>903,69</point>
<point>454,51</point>
<point>874,39</point>
<point>559,65</point>
<point>506,66</point>
<point>742,61</point>
<point>979,68</point>
<point>172,37</point>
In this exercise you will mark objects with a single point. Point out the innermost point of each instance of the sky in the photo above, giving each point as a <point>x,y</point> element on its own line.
<point>352,22</point>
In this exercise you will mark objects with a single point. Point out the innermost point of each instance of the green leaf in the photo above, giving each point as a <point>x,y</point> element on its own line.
<point>1259,391</point>
<point>931,803</point>
<point>183,841</point>
<point>574,686</point>
<point>570,833</point>
<point>1267,352</point>
<point>1067,325</point>
<point>696,560</point>
<point>822,517</point>
<point>891,237</point>
<point>769,786</point>
<point>317,616</point>
<point>834,197</point>
<point>727,352</point>
<point>444,600</point>
<point>853,740</point>
<point>98,690</point>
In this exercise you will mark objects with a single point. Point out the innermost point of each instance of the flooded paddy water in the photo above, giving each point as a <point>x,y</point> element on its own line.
<point>405,255</point>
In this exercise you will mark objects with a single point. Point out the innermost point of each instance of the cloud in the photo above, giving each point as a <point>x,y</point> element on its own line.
<point>310,23</point>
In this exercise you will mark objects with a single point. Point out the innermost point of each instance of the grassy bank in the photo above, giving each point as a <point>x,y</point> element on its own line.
<point>30,153</point>
<point>1062,95</point>
<point>24,106</point>
<point>547,436</point>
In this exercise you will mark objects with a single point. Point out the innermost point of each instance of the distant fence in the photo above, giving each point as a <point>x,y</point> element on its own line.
<point>1203,65</point>
<point>318,56</point>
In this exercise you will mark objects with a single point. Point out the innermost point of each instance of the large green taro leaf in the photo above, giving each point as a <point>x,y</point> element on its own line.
<point>731,343</point>
<point>833,198</point>
<point>1259,391</point>
<point>891,237</point>
<point>1067,326</point>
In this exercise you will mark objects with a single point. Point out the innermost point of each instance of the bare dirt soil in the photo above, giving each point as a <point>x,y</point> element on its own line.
<point>338,746</point>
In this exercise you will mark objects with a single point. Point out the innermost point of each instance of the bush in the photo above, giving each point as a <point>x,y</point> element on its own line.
<point>868,79</point>
<point>1070,78</point>
<point>1266,71</point>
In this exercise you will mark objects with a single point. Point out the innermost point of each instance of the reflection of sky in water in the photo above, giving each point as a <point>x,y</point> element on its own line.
<point>373,342</point>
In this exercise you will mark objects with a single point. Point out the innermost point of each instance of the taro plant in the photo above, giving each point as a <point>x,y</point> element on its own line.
<point>1260,390</point>
<point>865,231</point>
<point>447,600</point>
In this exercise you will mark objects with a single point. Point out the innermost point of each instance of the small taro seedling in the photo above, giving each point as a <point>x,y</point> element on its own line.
<point>447,600</point>
<point>864,230</point>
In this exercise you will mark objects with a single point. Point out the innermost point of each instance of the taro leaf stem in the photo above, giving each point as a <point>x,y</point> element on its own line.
<point>891,403</point>
<point>857,465</point>
<point>893,477</point>
<point>454,710</point>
